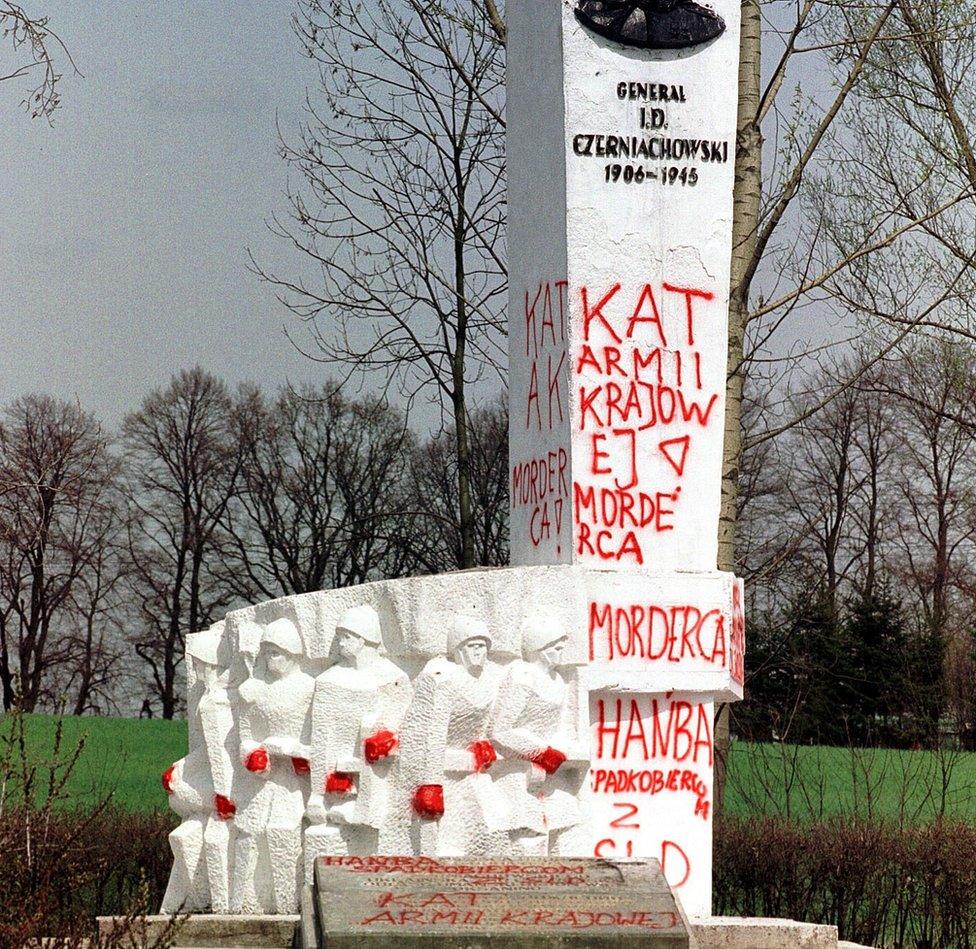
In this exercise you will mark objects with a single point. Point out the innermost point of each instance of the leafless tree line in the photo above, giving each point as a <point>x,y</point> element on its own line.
<point>873,500</point>
<point>114,546</point>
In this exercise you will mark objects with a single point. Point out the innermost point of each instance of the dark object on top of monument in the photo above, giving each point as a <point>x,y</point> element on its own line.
<point>651,24</point>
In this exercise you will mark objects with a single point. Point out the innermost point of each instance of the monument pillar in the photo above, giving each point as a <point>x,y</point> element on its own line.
<point>621,167</point>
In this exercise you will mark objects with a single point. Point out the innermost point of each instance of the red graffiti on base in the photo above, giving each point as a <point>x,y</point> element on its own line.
<point>640,392</point>
<point>540,485</point>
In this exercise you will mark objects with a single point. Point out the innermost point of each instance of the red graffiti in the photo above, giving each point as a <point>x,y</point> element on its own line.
<point>673,855</point>
<point>226,809</point>
<point>673,634</point>
<point>301,766</point>
<point>414,917</point>
<point>631,812</point>
<point>650,782</point>
<point>679,730</point>
<point>738,645</point>
<point>339,782</point>
<point>640,406</point>
<point>676,452</point>
<point>484,755</point>
<point>545,346</point>
<point>585,919</point>
<point>550,760</point>
<point>379,746</point>
<point>608,848</point>
<point>428,801</point>
<point>481,874</point>
<point>689,295</point>
<point>453,900</point>
<point>632,387</point>
<point>258,761</point>
<point>168,781</point>
<point>542,485</point>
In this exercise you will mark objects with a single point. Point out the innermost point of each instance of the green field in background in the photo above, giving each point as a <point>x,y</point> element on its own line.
<point>805,782</point>
<point>124,758</point>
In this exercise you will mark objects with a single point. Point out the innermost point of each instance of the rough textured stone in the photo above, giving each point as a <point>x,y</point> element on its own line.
<point>731,932</point>
<point>310,936</point>
<point>563,707</point>
<point>562,775</point>
<point>544,902</point>
<point>217,932</point>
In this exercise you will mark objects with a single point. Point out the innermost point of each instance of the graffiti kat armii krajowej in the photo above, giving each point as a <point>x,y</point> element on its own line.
<point>563,705</point>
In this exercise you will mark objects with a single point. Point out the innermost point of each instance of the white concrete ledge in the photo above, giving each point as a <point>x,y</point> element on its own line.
<point>278,932</point>
<point>736,932</point>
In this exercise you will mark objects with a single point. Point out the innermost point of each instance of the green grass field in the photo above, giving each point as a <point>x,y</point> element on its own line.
<point>124,758</point>
<point>807,782</point>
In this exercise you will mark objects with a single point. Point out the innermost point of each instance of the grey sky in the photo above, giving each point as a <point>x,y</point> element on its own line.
<point>123,228</point>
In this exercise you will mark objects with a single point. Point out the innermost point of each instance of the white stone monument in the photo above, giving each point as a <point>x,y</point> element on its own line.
<point>563,705</point>
<point>621,167</point>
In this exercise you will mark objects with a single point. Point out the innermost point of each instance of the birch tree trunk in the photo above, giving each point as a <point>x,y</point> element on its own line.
<point>745,226</point>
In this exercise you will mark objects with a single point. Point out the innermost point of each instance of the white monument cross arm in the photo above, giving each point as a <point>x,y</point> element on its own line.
<point>621,167</point>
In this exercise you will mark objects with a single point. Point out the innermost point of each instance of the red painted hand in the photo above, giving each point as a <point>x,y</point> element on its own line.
<point>338,782</point>
<point>379,746</point>
<point>258,761</point>
<point>484,755</point>
<point>428,801</point>
<point>225,807</point>
<point>301,766</point>
<point>549,760</point>
<point>168,779</point>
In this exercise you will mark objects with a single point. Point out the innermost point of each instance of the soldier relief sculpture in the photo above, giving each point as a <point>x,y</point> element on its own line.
<point>481,754</point>
<point>651,24</point>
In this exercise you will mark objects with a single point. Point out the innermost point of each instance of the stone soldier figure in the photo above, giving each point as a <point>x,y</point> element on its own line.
<point>199,786</point>
<point>531,725</point>
<point>357,708</point>
<point>274,750</point>
<point>443,790</point>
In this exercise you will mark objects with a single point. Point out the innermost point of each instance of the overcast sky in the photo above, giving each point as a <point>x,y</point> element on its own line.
<point>123,228</point>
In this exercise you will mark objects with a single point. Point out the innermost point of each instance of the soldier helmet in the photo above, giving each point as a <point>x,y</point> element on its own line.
<point>362,621</point>
<point>540,630</point>
<point>465,628</point>
<point>284,634</point>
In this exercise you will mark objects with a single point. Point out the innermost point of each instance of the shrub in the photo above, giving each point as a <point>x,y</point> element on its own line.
<point>61,867</point>
<point>880,884</point>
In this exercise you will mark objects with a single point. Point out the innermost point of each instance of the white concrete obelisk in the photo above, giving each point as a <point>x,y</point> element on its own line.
<point>621,165</point>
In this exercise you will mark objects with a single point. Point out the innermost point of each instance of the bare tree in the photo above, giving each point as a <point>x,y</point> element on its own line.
<point>183,464</point>
<point>321,495</point>
<point>436,537</point>
<point>96,633</point>
<point>935,389</point>
<point>401,206</point>
<point>57,521</point>
<point>35,50</point>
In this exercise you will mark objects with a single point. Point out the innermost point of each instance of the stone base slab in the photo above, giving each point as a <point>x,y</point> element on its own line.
<point>548,903</point>
<point>736,932</point>
<point>282,932</point>
<point>214,932</point>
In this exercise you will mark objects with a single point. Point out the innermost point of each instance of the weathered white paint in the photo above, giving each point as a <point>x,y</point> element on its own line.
<point>618,326</point>
<point>573,238</point>
<point>564,705</point>
<point>651,776</point>
<point>309,680</point>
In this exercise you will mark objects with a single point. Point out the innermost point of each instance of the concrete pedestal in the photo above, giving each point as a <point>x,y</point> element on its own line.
<point>377,901</point>
<point>284,932</point>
